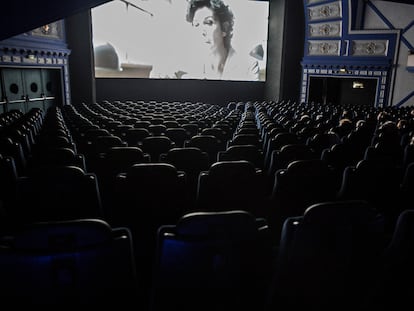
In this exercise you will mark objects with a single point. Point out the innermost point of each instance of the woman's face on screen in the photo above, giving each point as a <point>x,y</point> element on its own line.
<point>208,27</point>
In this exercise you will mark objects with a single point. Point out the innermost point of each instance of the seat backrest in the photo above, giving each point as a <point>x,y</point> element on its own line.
<point>57,157</point>
<point>171,124</point>
<point>280,159</point>
<point>79,263</point>
<point>121,130</point>
<point>157,120</point>
<point>408,156</point>
<point>91,134</point>
<point>126,156</point>
<point>322,141</point>
<point>376,181</point>
<point>8,178</point>
<point>219,258</point>
<point>401,244</point>
<point>229,185</point>
<point>14,149</point>
<point>152,174</point>
<point>217,225</point>
<point>277,142</point>
<point>189,159</point>
<point>302,183</point>
<point>134,136</point>
<point>329,255</point>
<point>142,124</point>
<point>191,129</point>
<point>177,135</point>
<point>248,130</point>
<point>393,153</point>
<point>157,129</point>
<point>207,143</point>
<point>245,139</point>
<point>340,156</point>
<point>156,190</point>
<point>216,132</point>
<point>156,145</point>
<point>230,171</point>
<point>242,152</point>
<point>397,272</point>
<point>59,193</point>
<point>103,143</point>
<point>407,184</point>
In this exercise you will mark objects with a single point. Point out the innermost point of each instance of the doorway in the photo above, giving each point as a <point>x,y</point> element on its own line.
<point>26,88</point>
<point>343,90</point>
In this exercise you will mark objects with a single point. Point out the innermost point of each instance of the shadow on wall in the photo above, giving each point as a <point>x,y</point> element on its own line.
<point>107,65</point>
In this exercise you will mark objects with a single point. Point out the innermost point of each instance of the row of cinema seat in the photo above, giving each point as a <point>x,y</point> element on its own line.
<point>153,218</point>
<point>312,169</point>
<point>332,257</point>
<point>273,136</point>
<point>304,183</point>
<point>67,263</point>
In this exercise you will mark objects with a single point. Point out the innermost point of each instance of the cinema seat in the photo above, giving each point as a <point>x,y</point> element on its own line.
<point>280,159</point>
<point>230,185</point>
<point>191,129</point>
<point>8,179</point>
<point>217,132</point>
<point>178,135</point>
<point>59,193</point>
<point>135,136</point>
<point>245,139</point>
<point>249,153</point>
<point>111,163</point>
<point>156,145</point>
<point>11,148</point>
<point>53,157</point>
<point>398,271</point>
<point>208,143</point>
<point>74,263</point>
<point>328,258</point>
<point>302,183</point>
<point>376,181</point>
<point>277,142</point>
<point>212,261</point>
<point>149,194</point>
<point>190,160</point>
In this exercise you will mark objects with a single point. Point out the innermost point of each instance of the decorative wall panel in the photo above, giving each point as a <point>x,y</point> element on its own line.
<point>324,47</point>
<point>325,11</point>
<point>332,29</point>
<point>369,47</point>
<point>53,31</point>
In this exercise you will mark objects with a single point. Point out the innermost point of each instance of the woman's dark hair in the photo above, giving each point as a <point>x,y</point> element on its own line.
<point>221,12</point>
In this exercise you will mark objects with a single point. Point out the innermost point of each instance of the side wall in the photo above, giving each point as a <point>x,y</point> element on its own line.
<point>387,15</point>
<point>285,50</point>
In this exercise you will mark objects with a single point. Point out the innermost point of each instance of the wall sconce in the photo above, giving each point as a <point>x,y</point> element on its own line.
<point>357,85</point>
<point>343,70</point>
<point>410,61</point>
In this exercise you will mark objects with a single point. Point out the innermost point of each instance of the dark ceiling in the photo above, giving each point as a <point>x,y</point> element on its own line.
<point>21,16</point>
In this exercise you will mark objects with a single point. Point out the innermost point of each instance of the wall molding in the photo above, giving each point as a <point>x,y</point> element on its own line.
<point>358,53</point>
<point>39,48</point>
